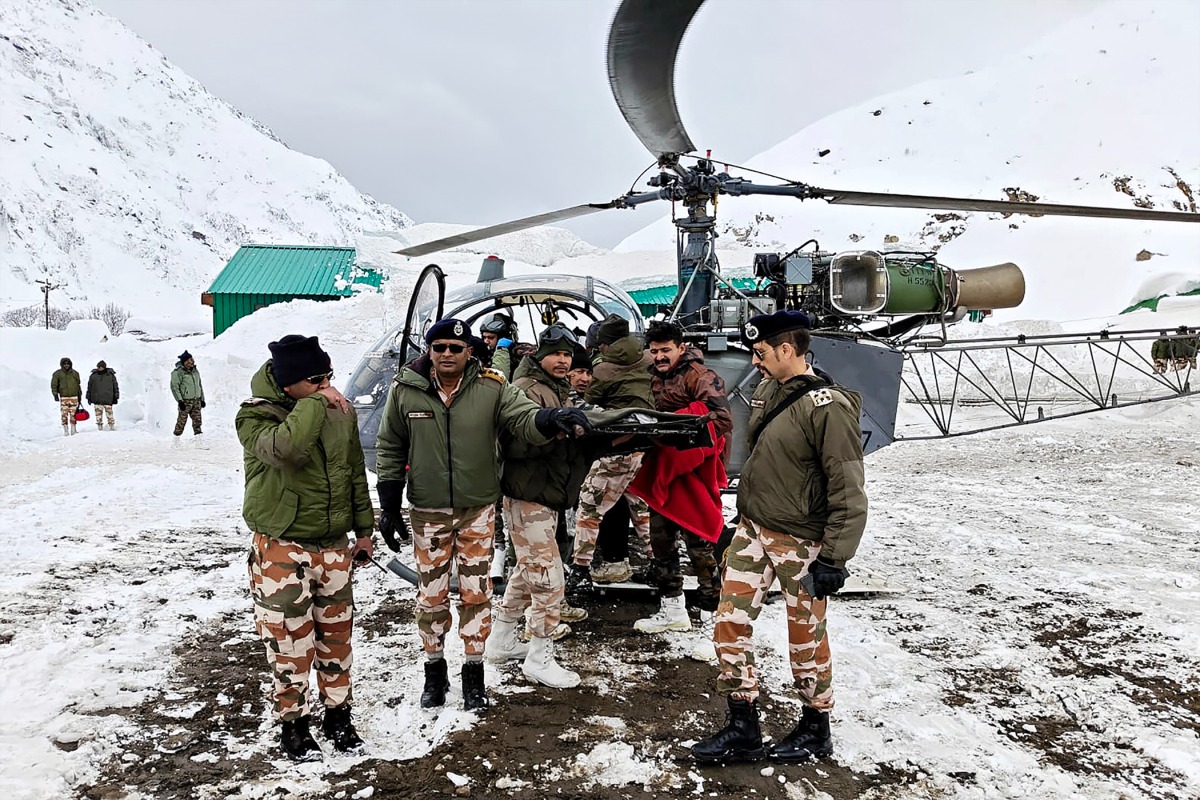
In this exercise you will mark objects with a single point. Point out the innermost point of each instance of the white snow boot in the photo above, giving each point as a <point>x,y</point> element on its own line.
<point>66,431</point>
<point>540,666</point>
<point>672,616</point>
<point>503,644</point>
<point>704,649</point>
<point>73,429</point>
<point>112,426</point>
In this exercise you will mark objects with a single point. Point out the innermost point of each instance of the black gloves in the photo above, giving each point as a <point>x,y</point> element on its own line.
<point>826,578</point>
<point>552,421</point>
<point>203,404</point>
<point>182,406</point>
<point>391,522</point>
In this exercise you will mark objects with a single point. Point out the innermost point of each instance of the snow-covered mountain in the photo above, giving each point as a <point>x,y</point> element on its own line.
<point>128,182</point>
<point>1103,111</point>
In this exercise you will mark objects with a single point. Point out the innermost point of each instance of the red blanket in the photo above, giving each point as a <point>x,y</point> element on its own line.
<point>685,485</point>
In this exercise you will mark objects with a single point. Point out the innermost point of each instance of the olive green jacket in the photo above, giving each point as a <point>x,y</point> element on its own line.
<point>622,378</point>
<point>804,476</point>
<point>450,457</point>
<point>65,383</point>
<point>306,479</point>
<point>549,474</point>
<point>186,384</point>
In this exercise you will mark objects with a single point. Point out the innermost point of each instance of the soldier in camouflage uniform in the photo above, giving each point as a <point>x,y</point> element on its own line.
<point>539,482</point>
<point>439,435</point>
<point>66,388</point>
<point>188,392</point>
<point>306,488</point>
<point>618,381</point>
<point>103,392</point>
<point>803,510</point>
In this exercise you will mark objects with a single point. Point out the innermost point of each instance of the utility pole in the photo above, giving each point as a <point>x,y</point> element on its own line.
<point>47,287</point>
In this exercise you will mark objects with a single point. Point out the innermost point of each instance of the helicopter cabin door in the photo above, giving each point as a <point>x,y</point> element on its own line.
<point>425,307</point>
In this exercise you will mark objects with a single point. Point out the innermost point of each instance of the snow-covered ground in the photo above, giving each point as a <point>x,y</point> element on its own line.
<point>1046,646</point>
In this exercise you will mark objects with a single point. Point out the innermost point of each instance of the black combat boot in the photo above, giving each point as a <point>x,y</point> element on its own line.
<point>809,739</point>
<point>474,695</point>
<point>437,682</point>
<point>739,740</point>
<point>579,580</point>
<point>297,742</point>
<point>338,729</point>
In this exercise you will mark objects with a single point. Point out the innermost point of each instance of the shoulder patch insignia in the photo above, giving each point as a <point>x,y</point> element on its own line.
<point>757,403</point>
<point>821,397</point>
<point>255,401</point>
<point>494,374</point>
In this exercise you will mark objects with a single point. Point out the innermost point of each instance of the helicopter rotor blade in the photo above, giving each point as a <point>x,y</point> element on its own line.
<point>642,46</point>
<point>506,227</point>
<point>884,200</point>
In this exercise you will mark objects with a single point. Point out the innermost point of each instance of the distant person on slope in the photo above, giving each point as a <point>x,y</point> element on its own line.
<point>188,392</point>
<point>306,489</point>
<point>65,387</point>
<point>103,393</point>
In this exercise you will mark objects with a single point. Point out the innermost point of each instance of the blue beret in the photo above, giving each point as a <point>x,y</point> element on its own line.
<point>448,329</point>
<point>764,326</point>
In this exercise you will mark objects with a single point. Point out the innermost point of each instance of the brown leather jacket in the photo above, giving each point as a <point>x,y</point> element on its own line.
<point>688,382</point>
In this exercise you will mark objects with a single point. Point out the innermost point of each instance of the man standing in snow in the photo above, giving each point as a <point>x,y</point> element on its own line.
<point>103,393</point>
<point>438,435</point>
<point>306,489</point>
<point>539,483</point>
<point>65,387</point>
<point>188,392</point>
<point>679,379</point>
<point>803,510</point>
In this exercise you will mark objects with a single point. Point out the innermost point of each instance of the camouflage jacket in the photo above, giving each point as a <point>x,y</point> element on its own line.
<point>804,475</point>
<point>65,383</point>
<point>306,479</point>
<point>620,380</point>
<point>688,381</point>
<point>450,456</point>
<point>102,387</point>
<point>549,474</point>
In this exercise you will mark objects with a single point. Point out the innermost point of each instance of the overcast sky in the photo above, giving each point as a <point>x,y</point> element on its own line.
<point>478,111</point>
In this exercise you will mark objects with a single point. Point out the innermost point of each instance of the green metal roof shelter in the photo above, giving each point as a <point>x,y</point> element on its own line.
<point>649,300</point>
<point>260,275</point>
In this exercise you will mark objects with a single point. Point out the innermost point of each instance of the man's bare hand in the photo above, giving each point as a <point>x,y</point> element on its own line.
<point>334,398</point>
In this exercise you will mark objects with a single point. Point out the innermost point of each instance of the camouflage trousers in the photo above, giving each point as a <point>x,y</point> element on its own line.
<point>537,582</point>
<point>67,406</point>
<point>755,557</point>
<point>606,481</point>
<point>191,408</point>
<point>304,613</point>
<point>664,537</point>
<point>463,535</point>
<point>100,412</point>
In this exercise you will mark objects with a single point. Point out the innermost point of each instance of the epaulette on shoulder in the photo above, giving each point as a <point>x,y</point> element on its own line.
<point>255,401</point>
<point>821,397</point>
<point>494,374</point>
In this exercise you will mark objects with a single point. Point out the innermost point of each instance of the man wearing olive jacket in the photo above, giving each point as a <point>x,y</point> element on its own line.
<point>306,488</point>
<point>803,510</point>
<point>439,435</point>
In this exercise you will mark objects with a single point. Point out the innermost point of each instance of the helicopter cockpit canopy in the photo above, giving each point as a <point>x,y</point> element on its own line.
<point>532,301</point>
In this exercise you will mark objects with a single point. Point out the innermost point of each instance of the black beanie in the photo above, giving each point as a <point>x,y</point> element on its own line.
<point>581,360</point>
<point>294,358</point>
<point>612,328</point>
<point>184,356</point>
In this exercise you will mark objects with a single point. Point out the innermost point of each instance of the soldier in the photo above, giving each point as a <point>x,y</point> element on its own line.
<point>188,392</point>
<point>65,387</point>
<point>439,431</point>
<point>678,379</point>
<point>618,381</point>
<point>580,374</point>
<point>803,509</point>
<point>539,482</point>
<point>103,393</point>
<point>306,488</point>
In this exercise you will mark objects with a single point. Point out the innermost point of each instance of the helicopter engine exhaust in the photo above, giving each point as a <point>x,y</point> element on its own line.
<point>869,282</point>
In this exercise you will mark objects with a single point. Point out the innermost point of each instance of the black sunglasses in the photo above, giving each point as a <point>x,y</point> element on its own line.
<point>316,380</point>
<point>442,347</point>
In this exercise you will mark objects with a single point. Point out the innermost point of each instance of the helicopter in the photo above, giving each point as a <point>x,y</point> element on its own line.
<point>872,310</point>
